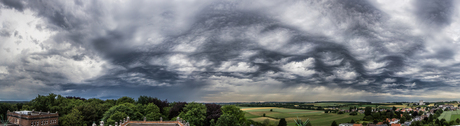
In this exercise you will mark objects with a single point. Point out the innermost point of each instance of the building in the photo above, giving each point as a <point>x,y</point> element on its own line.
<point>33,118</point>
<point>127,122</point>
<point>421,102</point>
<point>346,124</point>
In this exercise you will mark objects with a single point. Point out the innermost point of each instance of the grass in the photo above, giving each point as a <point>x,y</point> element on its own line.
<point>449,114</point>
<point>454,116</point>
<point>316,117</point>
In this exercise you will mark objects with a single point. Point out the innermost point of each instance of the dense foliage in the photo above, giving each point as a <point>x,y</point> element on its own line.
<point>84,112</point>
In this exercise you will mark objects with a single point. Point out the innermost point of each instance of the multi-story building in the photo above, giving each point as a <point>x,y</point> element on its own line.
<point>33,118</point>
<point>421,102</point>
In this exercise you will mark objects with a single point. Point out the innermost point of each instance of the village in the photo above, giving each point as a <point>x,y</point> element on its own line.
<point>413,116</point>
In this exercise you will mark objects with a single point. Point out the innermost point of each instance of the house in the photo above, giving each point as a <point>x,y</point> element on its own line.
<point>357,124</point>
<point>392,121</point>
<point>32,118</point>
<point>418,118</point>
<point>127,122</point>
<point>397,124</point>
<point>407,123</point>
<point>346,124</point>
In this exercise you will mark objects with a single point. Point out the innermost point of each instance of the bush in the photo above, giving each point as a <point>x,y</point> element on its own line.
<point>353,113</point>
<point>340,112</point>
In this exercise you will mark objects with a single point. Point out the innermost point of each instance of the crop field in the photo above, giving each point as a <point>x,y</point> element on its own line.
<point>454,116</point>
<point>316,117</point>
<point>448,115</point>
<point>397,106</point>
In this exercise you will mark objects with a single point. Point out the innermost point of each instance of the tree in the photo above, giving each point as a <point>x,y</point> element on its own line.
<point>334,124</point>
<point>402,120</point>
<point>116,117</point>
<point>127,108</point>
<point>74,118</point>
<point>195,113</point>
<point>431,118</point>
<point>394,108</point>
<point>152,112</point>
<point>228,120</point>
<point>368,118</point>
<point>263,115</point>
<point>376,115</point>
<point>414,114</point>
<point>235,111</point>
<point>437,122</point>
<point>144,100</point>
<point>457,120</point>
<point>282,122</point>
<point>266,122</point>
<point>91,112</point>
<point>352,121</point>
<point>125,99</point>
<point>213,112</point>
<point>271,110</point>
<point>364,123</point>
<point>325,111</point>
<point>176,109</point>
<point>368,111</point>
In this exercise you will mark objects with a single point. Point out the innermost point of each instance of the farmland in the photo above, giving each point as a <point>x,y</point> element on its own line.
<point>316,117</point>
<point>450,115</point>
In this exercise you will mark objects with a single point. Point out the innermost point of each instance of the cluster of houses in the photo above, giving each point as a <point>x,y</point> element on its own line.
<point>392,122</point>
<point>395,122</point>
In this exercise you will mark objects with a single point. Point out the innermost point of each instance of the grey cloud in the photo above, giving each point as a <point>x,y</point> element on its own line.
<point>16,4</point>
<point>157,51</point>
<point>437,13</point>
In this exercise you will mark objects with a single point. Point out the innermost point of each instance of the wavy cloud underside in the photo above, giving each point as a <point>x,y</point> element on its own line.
<point>231,50</point>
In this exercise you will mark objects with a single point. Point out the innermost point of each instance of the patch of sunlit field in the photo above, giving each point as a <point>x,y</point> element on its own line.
<point>317,117</point>
<point>448,115</point>
<point>397,106</point>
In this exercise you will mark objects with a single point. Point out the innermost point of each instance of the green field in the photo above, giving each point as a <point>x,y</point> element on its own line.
<point>448,115</point>
<point>454,116</point>
<point>317,118</point>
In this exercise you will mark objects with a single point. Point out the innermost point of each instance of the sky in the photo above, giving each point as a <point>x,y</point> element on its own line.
<point>231,50</point>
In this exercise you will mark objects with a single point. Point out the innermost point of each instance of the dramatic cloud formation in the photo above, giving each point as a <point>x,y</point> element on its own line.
<point>223,51</point>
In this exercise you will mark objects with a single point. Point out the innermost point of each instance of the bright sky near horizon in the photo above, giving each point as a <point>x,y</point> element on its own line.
<point>231,50</point>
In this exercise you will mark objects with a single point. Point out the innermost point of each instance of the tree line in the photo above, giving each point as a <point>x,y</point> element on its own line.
<point>84,112</point>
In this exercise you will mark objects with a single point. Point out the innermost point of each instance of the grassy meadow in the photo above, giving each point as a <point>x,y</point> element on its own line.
<point>448,115</point>
<point>317,117</point>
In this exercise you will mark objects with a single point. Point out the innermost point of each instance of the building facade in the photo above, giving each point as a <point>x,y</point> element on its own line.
<point>421,102</point>
<point>33,118</point>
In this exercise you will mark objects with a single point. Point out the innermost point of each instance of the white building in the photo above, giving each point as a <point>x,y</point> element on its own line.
<point>421,102</point>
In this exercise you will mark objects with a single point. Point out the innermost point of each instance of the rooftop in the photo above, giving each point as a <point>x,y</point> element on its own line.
<point>26,112</point>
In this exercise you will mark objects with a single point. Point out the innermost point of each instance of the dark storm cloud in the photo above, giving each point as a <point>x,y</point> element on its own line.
<point>16,4</point>
<point>158,47</point>
<point>435,12</point>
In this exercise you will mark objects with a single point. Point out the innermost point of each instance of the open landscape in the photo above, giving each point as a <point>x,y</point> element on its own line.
<point>230,62</point>
<point>450,115</point>
<point>316,117</point>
